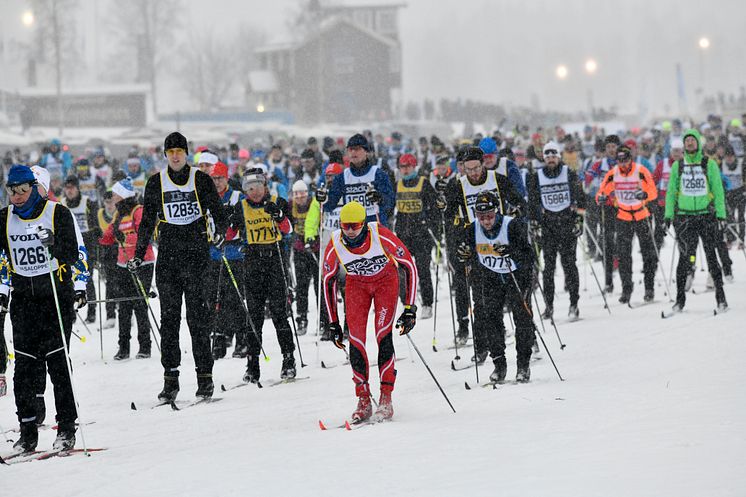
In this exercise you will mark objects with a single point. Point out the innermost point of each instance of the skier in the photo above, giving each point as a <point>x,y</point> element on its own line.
<point>369,252</point>
<point>733,170</point>
<point>695,189</point>
<point>417,225</point>
<point>363,182</point>
<point>263,220</point>
<point>633,188</point>
<point>122,232</point>
<point>661,176</point>
<point>35,227</point>
<point>502,273</point>
<point>178,198</point>
<point>230,317</point>
<point>557,201</point>
<point>107,258</point>
<point>85,211</point>
<point>306,268</point>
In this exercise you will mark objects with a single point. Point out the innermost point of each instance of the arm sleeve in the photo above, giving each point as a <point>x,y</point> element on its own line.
<point>92,213</point>
<point>672,191</point>
<point>313,219</point>
<point>65,247</point>
<point>591,173</point>
<point>396,249</point>
<point>649,185</point>
<point>5,278</point>
<point>331,266</point>
<point>286,225</point>
<point>388,196</point>
<point>209,200</point>
<point>107,238</point>
<point>336,190</point>
<point>151,210</point>
<point>576,190</point>
<point>514,175</point>
<point>716,186</point>
<point>534,197</point>
<point>607,185</point>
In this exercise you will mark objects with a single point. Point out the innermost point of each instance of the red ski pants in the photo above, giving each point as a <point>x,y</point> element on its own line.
<point>382,291</point>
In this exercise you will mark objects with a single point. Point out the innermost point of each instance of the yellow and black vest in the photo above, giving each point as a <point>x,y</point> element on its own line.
<point>299,220</point>
<point>409,199</point>
<point>103,224</point>
<point>260,230</point>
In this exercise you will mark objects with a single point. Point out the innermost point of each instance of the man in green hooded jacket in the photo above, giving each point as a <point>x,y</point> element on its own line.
<point>695,202</point>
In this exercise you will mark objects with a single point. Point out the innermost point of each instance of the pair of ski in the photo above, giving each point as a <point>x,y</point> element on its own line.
<point>46,427</point>
<point>42,455</point>
<point>176,407</point>
<point>671,313</point>
<point>272,383</point>
<point>353,425</point>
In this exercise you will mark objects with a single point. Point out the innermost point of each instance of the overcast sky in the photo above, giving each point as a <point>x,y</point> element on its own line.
<point>508,50</point>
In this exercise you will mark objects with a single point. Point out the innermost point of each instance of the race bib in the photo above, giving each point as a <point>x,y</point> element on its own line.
<point>693,182</point>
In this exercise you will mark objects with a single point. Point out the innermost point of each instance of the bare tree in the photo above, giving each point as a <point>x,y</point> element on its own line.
<point>246,40</point>
<point>209,70</point>
<point>145,33</point>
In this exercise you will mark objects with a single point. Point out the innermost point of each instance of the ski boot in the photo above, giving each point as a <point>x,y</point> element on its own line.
<point>626,295</point>
<point>29,438</point>
<point>219,347</point>
<point>689,278</point>
<point>573,313</point>
<point>463,334</point>
<point>728,274</point>
<point>523,375</point>
<point>302,328</point>
<point>241,351</point>
<point>480,357</point>
<point>144,352</point>
<point>364,409</point>
<point>501,369</point>
<point>123,353</point>
<point>91,318</point>
<point>385,409</point>
<point>426,312</point>
<point>609,288</point>
<point>252,369</point>
<point>720,298</point>
<point>170,386</point>
<point>65,437</point>
<point>109,323</point>
<point>288,367</point>
<point>710,285</point>
<point>205,386</point>
<point>548,313</point>
<point>649,295</point>
<point>41,409</point>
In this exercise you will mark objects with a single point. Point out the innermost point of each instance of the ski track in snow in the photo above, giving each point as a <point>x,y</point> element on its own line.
<point>650,407</point>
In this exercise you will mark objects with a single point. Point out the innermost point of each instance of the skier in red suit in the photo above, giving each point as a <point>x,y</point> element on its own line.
<point>370,254</point>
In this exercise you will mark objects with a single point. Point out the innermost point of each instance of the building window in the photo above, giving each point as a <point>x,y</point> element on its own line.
<point>344,64</point>
<point>394,60</point>
<point>363,18</point>
<point>386,22</point>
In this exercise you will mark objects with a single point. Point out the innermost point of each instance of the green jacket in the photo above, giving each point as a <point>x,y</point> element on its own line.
<point>312,221</point>
<point>677,203</point>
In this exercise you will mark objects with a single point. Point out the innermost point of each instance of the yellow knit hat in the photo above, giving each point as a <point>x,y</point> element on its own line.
<point>352,212</point>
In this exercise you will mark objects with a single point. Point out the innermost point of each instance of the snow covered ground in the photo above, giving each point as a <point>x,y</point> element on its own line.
<point>650,407</point>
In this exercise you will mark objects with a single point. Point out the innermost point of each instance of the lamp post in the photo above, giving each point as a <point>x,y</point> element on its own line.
<point>561,72</point>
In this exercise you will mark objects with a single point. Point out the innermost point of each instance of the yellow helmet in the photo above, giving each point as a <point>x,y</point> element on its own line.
<point>352,212</point>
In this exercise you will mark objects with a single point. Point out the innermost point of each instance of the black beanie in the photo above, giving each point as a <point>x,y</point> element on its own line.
<point>358,140</point>
<point>473,153</point>
<point>175,140</point>
<point>613,139</point>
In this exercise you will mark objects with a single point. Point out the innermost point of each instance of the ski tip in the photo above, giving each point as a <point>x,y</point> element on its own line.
<point>323,366</point>
<point>347,426</point>
<point>259,385</point>
<point>174,406</point>
<point>562,347</point>
<point>222,388</point>
<point>321,425</point>
<point>133,407</point>
<point>453,366</point>
<point>434,349</point>
<point>466,385</point>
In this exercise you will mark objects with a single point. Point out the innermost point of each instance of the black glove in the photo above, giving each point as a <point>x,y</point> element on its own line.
<point>119,236</point>
<point>336,334</point>
<point>641,195</point>
<point>274,210</point>
<point>321,194</point>
<point>3,308</point>
<point>602,199</point>
<point>46,237</point>
<point>80,299</point>
<point>441,185</point>
<point>373,196</point>
<point>440,202</point>
<point>218,240</point>
<point>464,252</point>
<point>407,319</point>
<point>577,229</point>
<point>134,264</point>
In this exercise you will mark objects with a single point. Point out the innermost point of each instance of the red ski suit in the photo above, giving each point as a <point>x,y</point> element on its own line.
<point>372,277</point>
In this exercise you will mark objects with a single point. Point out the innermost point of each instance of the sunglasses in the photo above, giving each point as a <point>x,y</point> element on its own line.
<point>351,226</point>
<point>623,157</point>
<point>485,214</point>
<point>551,153</point>
<point>175,151</point>
<point>19,189</point>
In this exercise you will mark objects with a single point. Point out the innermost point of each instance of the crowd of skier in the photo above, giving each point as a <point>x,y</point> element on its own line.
<point>242,234</point>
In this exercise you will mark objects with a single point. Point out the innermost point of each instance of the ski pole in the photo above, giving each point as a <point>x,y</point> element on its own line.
<point>735,233</point>
<point>65,346</point>
<point>448,274</point>
<point>531,315</point>
<point>551,318</point>
<point>319,285</point>
<point>98,304</point>
<point>151,294</point>
<point>437,280</point>
<point>595,276</point>
<point>138,283</point>
<point>471,322</point>
<point>245,306</point>
<point>430,371</point>
<point>658,258</point>
<point>217,296</point>
<point>288,305</point>
<point>82,339</point>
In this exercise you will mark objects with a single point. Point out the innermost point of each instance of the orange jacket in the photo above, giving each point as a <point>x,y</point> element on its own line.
<point>624,186</point>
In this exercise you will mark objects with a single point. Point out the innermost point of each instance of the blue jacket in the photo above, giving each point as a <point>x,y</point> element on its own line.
<point>381,183</point>
<point>514,176</point>
<point>232,248</point>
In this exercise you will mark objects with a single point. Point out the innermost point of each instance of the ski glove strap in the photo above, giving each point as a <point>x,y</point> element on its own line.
<point>335,332</point>
<point>407,319</point>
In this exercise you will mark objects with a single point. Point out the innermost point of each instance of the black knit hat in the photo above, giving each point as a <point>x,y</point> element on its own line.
<point>72,181</point>
<point>473,153</point>
<point>358,140</point>
<point>613,139</point>
<point>175,140</point>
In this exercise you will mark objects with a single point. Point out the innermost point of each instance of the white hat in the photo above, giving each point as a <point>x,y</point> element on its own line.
<point>42,176</point>
<point>300,186</point>
<point>124,188</point>
<point>677,143</point>
<point>551,145</point>
<point>208,158</point>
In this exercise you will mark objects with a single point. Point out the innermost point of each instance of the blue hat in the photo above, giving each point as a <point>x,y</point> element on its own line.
<point>124,188</point>
<point>19,175</point>
<point>488,146</point>
<point>358,140</point>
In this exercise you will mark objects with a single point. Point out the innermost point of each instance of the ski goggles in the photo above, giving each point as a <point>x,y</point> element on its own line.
<point>351,226</point>
<point>482,215</point>
<point>623,157</point>
<point>171,152</point>
<point>21,189</point>
<point>551,153</point>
